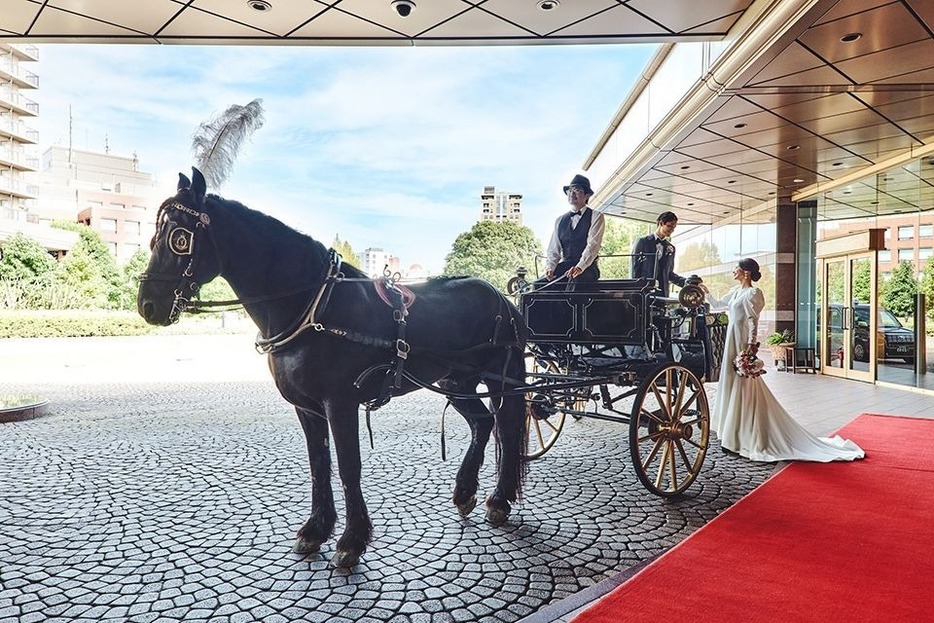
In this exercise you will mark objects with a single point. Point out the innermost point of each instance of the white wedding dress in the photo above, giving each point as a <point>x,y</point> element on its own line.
<point>748,418</point>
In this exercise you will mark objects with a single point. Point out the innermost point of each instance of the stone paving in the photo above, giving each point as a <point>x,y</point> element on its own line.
<point>177,501</point>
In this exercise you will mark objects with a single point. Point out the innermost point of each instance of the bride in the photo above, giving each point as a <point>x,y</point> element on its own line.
<point>748,418</point>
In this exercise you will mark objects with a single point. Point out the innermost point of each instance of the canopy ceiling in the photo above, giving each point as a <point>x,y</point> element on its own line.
<point>846,92</point>
<point>366,22</point>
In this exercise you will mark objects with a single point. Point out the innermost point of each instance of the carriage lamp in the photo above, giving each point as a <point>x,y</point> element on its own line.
<point>691,296</point>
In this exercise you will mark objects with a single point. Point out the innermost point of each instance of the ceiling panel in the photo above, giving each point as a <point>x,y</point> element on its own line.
<point>900,28</point>
<point>685,15</point>
<point>120,13</point>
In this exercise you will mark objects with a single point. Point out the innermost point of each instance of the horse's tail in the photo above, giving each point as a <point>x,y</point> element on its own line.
<point>511,421</point>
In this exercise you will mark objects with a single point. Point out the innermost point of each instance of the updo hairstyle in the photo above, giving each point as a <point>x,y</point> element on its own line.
<point>752,266</point>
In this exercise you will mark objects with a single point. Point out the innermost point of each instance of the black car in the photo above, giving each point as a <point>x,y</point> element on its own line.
<point>893,340</point>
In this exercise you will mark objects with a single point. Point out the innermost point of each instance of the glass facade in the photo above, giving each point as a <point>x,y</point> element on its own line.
<point>900,202</point>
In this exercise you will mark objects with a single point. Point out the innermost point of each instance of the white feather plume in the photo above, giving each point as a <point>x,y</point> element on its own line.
<point>217,141</point>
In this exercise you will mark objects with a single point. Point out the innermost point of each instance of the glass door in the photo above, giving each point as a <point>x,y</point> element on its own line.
<point>848,317</point>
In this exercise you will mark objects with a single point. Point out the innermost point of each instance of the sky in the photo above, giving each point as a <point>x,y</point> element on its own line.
<point>385,147</point>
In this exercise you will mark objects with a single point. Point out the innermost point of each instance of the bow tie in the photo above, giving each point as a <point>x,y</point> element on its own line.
<point>581,213</point>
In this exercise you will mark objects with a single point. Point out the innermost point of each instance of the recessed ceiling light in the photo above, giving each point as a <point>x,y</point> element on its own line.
<point>838,164</point>
<point>888,179</point>
<point>851,37</point>
<point>685,167</point>
<point>771,192</point>
<point>873,203</point>
<point>793,147</point>
<point>846,192</point>
<point>690,204</point>
<point>731,181</point>
<point>726,211</point>
<point>548,5</point>
<point>259,5</point>
<point>797,180</point>
<point>648,194</point>
<point>739,125</point>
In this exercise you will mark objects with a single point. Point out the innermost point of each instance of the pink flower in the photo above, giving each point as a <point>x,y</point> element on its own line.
<point>748,365</point>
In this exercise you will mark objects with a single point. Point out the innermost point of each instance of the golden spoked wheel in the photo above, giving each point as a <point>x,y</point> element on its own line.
<point>669,430</point>
<point>544,417</point>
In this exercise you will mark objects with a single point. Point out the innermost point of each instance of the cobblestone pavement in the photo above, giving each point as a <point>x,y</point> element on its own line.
<point>142,501</point>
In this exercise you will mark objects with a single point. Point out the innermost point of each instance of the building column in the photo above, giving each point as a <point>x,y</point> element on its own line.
<point>786,242</point>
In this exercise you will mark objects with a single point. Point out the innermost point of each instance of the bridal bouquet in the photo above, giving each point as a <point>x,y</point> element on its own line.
<point>748,365</point>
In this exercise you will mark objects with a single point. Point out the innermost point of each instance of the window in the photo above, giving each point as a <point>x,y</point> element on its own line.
<point>925,231</point>
<point>906,254</point>
<point>112,247</point>
<point>95,204</point>
<point>131,227</point>
<point>118,206</point>
<point>906,232</point>
<point>129,249</point>
<point>925,252</point>
<point>108,225</point>
<point>885,256</point>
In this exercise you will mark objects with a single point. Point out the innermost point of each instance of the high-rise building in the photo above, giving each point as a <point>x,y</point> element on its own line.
<point>18,151</point>
<point>500,206</point>
<point>374,260</point>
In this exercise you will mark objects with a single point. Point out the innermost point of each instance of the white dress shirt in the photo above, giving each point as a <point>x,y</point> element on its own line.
<point>591,250</point>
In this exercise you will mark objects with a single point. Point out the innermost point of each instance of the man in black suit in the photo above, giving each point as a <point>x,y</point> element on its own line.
<point>653,257</point>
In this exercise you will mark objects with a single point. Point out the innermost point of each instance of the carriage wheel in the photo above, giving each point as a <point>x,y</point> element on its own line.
<point>542,425</point>
<point>669,429</point>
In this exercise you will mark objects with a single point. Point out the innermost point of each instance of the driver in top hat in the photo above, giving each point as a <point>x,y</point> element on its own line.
<point>577,237</point>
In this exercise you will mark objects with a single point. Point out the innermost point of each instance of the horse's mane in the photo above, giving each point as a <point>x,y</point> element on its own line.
<point>261,221</point>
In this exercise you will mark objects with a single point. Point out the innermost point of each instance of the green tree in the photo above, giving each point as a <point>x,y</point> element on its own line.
<point>698,255</point>
<point>346,251</point>
<point>492,251</point>
<point>21,257</point>
<point>926,287</point>
<point>129,286</point>
<point>900,290</point>
<point>862,281</point>
<point>619,237</point>
<point>96,265</point>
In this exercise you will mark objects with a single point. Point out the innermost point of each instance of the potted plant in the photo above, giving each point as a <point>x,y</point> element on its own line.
<point>778,341</point>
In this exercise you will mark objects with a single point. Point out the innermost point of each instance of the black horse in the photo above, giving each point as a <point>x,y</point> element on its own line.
<point>336,342</point>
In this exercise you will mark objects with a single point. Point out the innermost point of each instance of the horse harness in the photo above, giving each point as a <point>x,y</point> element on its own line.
<point>399,298</point>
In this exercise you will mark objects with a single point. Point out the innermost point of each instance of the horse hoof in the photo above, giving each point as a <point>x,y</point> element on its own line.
<point>344,559</point>
<point>302,546</point>
<point>467,507</point>
<point>496,516</point>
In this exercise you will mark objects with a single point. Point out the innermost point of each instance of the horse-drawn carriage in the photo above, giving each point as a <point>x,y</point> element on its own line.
<point>616,350</point>
<point>337,339</point>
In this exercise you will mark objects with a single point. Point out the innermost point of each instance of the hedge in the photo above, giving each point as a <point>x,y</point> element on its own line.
<point>27,324</point>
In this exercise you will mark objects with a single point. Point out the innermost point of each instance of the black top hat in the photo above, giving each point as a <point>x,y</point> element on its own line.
<point>579,180</point>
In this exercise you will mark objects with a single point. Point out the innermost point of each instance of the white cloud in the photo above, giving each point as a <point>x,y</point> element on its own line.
<point>387,147</point>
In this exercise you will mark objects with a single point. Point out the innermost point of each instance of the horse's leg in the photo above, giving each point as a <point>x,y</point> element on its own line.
<point>510,443</point>
<point>480,421</point>
<point>345,428</point>
<point>320,524</point>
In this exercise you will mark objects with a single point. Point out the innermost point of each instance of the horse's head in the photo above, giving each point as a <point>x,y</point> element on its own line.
<point>183,256</point>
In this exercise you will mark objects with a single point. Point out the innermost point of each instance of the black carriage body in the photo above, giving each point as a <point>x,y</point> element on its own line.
<point>608,316</point>
<point>603,312</point>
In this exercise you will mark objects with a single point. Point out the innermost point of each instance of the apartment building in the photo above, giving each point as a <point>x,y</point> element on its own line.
<point>500,206</point>
<point>104,191</point>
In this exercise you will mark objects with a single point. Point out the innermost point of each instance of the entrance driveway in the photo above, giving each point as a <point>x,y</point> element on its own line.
<point>168,478</point>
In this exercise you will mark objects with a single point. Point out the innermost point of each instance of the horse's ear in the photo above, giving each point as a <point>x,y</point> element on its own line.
<point>198,185</point>
<point>183,182</point>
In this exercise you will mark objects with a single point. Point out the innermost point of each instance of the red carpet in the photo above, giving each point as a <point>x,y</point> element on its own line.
<point>817,542</point>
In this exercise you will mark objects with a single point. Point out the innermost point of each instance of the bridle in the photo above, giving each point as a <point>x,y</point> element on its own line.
<point>180,241</point>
